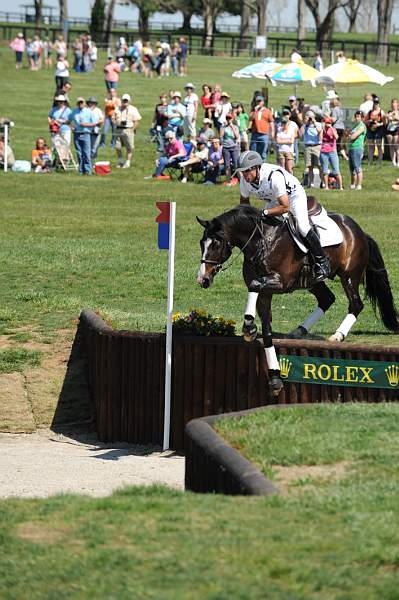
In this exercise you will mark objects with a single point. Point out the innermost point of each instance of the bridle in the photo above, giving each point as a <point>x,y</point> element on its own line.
<point>219,266</point>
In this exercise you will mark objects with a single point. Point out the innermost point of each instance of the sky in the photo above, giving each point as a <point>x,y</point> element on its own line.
<point>284,12</point>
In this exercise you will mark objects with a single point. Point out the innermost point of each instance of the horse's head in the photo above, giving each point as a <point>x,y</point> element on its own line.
<point>215,250</point>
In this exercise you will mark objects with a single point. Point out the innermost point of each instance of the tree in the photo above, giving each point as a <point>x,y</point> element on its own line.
<point>301,22</point>
<point>351,8</point>
<point>261,13</point>
<point>63,13</point>
<point>211,9</point>
<point>384,13</point>
<point>323,26</point>
<point>245,22</point>
<point>188,8</point>
<point>38,12</point>
<point>97,20</point>
<point>146,8</point>
<point>109,20</point>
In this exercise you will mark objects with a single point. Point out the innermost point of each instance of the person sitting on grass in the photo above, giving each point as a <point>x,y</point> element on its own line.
<point>197,158</point>
<point>173,151</point>
<point>10,154</point>
<point>41,157</point>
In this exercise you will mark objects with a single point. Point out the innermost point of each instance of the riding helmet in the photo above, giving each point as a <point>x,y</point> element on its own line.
<point>248,160</point>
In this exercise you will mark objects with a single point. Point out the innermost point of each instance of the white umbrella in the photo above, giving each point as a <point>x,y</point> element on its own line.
<point>259,70</point>
<point>351,71</point>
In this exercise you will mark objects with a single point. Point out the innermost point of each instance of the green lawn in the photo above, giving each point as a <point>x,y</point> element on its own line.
<point>69,243</point>
<point>328,537</point>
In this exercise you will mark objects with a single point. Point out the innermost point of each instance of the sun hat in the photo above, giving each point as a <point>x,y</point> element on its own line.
<point>176,94</point>
<point>189,85</point>
<point>331,94</point>
<point>20,34</point>
<point>60,98</point>
<point>126,97</point>
<point>224,95</point>
<point>80,99</point>
<point>92,100</point>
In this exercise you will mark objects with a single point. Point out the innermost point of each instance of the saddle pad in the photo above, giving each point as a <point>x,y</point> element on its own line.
<point>327,230</point>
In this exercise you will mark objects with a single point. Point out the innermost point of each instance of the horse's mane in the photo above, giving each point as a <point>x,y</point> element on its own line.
<point>240,215</point>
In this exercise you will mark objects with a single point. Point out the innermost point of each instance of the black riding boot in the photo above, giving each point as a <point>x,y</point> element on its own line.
<point>322,267</point>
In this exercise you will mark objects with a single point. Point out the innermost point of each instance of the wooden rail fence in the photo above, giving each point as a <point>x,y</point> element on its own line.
<point>210,375</point>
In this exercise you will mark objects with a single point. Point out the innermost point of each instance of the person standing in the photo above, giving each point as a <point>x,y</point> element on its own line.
<point>230,139</point>
<point>375,123</point>
<point>261,123</point>
<point>59,117</point>
<point>183,51</point>
<point>176,112</point>
<point>295,56</point>
<point>285,136</point>
<point>98,117</point>
<point>312,134</point>
<point>111,104</point>
<point>191,104</point>
<point>61,71</point>
<point>19,46</point>
<point>82,121</point>
<point>328,153</point>
<point>356,147</point>
<point>337,118</point>
<point>111,72</point>
<point>393,131</point>
<point>127,119</point>
<point>222,109</point>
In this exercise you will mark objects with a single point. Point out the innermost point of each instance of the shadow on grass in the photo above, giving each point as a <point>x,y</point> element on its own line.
<point>75,412</point>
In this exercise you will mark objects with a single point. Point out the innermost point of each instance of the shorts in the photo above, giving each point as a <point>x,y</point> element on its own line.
<point>284,154</point>
<point>378,134</point>
<point>190,130</point>
<point>355,160</point>
<point>125,139</point>
<point>331,158</point>
<point>311,155</point>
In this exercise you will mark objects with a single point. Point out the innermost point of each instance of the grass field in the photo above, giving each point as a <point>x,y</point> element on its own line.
<point>69,242</point>
<point>332,534</point>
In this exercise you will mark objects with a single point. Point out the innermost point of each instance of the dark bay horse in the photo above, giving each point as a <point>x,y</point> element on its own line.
<point>269,251</point>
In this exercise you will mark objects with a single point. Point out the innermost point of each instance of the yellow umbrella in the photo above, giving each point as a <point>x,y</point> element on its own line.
<point>351,71</point>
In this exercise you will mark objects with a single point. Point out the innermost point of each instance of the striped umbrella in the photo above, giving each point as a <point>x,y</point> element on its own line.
<point>259,70</point>
<point>294,73</point>
<point>351,71</point>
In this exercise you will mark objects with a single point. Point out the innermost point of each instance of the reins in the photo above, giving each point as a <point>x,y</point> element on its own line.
<point>219,266</point>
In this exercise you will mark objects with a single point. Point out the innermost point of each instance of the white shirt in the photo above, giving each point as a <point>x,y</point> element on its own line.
<point>366,106</point>
<point>295,57</point>
<point>98,114</point>
<point>189,102</point>
<point>61,69</point>
<point>274,182</point>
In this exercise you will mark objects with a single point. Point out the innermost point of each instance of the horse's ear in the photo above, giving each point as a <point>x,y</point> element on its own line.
<point>203,222</point>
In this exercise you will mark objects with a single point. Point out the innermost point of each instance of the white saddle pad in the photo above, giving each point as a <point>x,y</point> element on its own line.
<point>329,232</point>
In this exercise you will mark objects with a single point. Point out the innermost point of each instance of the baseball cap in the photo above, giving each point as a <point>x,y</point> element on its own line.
<point>60,98</point>
<point>176,94</point>
<point>92,100</point>
<point>189,85</point>
<point>327,119</point>
<point>292,99</point>
<point>80,99</point>
<point>126,97</point>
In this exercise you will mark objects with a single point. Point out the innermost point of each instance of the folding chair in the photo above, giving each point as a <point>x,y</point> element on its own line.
<point>173,170</point>
<point>62,154</point>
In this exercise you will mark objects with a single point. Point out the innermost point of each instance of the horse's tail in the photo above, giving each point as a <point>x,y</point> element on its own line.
<point>378,289</point>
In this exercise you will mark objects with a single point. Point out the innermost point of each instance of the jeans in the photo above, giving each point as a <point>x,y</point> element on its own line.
<point>162,163</point>
<point>259,143</point>
<point>332,158</point>
<point>355,160</point>
<point>108,124</point>
<point>94,144</point>
<point>83,150</point>
<point>230,156</point>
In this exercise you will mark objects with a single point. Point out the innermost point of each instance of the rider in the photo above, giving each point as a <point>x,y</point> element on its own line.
<point>285,194</point>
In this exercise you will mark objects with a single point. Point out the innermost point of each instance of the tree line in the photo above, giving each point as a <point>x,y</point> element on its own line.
<point>323,14</point>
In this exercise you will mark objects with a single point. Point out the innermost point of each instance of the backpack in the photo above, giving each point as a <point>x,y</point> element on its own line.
<point>333,182</point>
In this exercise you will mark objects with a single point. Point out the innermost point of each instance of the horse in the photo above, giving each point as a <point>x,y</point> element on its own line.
<point>270,252</point>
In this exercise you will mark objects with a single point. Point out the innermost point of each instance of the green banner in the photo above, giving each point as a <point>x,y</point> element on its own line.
<point>334,371</point>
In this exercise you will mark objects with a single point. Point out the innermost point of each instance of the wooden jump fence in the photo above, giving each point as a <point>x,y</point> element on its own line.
<point>210,375</point>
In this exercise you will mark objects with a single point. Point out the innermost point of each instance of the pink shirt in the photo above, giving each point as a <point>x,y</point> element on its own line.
<point>329,143</point>
<point>112,71</point>
<point>174,147</point>
<point>18,45</point>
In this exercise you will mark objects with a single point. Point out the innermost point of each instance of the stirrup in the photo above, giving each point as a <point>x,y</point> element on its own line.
<point>322,270</point>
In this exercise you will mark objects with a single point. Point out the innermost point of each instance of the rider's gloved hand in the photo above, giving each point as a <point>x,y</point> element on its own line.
<point>264,214</point>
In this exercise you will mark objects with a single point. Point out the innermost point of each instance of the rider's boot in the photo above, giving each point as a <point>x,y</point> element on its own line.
<point>322,268</point>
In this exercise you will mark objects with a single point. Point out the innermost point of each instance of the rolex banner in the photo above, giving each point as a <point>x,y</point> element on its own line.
<point>333,371</point>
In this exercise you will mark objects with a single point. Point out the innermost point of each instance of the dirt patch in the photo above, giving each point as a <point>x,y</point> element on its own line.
<point>15,410</point>
<point>299,477</point>
<point>39,533</point>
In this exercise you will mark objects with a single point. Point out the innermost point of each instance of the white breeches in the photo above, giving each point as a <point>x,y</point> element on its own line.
<point>299,208</point>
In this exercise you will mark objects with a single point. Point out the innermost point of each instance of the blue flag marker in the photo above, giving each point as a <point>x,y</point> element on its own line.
<point>163,220</point>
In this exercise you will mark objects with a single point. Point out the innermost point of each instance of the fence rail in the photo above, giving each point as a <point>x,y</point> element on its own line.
<point>209,376</point>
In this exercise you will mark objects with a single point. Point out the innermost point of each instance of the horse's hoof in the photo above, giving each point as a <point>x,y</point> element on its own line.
<point>249,332</point>
<point>298,333</point>
<point>275,385</point>
<point>337,337</point>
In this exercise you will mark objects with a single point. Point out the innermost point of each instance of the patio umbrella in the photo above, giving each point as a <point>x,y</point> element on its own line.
<point>294,73</point>
<point>259,70</point>
<point>351,71</point>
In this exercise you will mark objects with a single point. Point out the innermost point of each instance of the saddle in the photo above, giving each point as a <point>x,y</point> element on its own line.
<point>314,207</point>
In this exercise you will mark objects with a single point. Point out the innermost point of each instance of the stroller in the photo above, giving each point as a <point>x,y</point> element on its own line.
<point>63,159</point>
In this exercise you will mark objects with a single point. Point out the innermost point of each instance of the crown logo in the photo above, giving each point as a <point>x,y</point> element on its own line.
<point>285,367</point>
<point>392,373</point>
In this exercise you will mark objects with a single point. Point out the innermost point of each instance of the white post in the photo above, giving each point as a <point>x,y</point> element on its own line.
<point>5,148</point>
<point>168,354</point>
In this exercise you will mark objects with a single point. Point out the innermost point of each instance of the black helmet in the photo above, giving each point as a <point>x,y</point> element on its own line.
<point>248,160</point>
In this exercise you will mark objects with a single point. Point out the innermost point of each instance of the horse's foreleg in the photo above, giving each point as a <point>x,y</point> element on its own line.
<point>273,366</point>
<point>325,298</point>
<point>354,309</point>
<point>249,328</point>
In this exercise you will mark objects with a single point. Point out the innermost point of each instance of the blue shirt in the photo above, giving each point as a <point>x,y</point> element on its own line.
<point>63,113</point>
<point>84,115</point>
<point>311,135</point>
<point>174,108</point>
